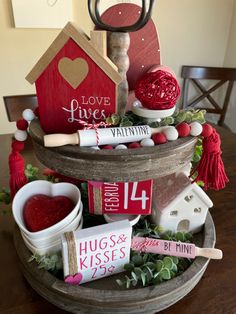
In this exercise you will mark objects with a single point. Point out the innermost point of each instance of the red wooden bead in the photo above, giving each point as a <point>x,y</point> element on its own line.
<point>17,145</point>
<point>107,147</point>
<point>22,125</point>
<point>206,130</point>
<point>159,138</point>
<point>183,129</point>
<point>134,145</point>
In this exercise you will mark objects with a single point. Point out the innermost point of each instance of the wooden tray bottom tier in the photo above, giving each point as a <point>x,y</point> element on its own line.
<point>104,296</point>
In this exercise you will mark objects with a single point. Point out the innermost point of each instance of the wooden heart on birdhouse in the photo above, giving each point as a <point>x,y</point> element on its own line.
<point>73,71</point>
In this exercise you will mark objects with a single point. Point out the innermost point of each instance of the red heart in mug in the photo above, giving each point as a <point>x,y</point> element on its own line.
<point>74,280</point>
<point>42,211</point>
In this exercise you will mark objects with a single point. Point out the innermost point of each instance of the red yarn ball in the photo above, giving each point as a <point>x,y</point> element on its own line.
<point>107,147</point>
<point>183,129</point>
<point>22,125</point>
<point>207,130</point>
<point>134,145</point>
<point>159,138</point>
<point>157,90</point>
<point>17,145</point>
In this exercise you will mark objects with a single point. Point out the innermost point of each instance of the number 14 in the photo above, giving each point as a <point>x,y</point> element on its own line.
<point>134,197</point>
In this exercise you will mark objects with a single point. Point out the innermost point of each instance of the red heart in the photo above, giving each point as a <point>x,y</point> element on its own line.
<point>74,280</point>
<point>42,211</point>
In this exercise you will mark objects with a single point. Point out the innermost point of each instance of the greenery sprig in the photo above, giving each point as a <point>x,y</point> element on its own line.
<point>5,196</point>
<point>130,118</point>
<point>147,269</point>
<point>52,263</point>
<point>32,173</point>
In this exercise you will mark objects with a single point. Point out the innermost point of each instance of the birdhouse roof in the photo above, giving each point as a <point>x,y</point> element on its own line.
<point>171,189</point>
<point>83,41</point>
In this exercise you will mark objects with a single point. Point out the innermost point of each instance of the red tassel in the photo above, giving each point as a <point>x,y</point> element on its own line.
<point>17,168</point>
<point>210,168</point>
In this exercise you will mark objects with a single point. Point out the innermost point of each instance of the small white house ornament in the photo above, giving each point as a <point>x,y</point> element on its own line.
<point>96,252</point>
<point>179,204</point>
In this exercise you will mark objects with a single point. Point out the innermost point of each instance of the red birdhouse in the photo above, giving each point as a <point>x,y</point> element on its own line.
<point>75,80</point>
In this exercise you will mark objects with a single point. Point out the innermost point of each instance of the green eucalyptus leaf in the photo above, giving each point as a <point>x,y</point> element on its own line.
<point>180,236</point>
<point>174,268</point>
<point>154,124</point>
<point>159,265</point>
<point>128,283</point>
<point>145,258</point>
<point>168,263</point>
<point>129,266</point>
<point>151,265</point>
<point>188,117</point>
<point>115,119</point>
<point>138,271</point>
<point>127,123</point>
<point>175,259</point>
<point>134,276</point>
<point>157,280</point>
<point>180,117</point>
<point>172,273</point>
<point>148,272</point>
<point>200,183</point>
<point>143,278</point>
<point>119,282</point>
<point>109,120</point>
<point>165,274</point>
<point>137,260</point>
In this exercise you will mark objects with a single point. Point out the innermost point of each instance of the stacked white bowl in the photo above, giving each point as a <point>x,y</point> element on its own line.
<point>48,241</point>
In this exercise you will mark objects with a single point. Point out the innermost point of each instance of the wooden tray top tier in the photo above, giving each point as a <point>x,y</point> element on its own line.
<point>113,165</point>
<point>104,295</point>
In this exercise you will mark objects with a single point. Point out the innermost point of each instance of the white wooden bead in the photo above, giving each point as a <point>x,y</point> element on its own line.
<point>171,133</point>
<point>28,115</point>
<point>121,146</point>
<point>147,142</point>
<point>195,128</point>
<point>20,135</point>
<point>95,147</point>
<point>137,103</point>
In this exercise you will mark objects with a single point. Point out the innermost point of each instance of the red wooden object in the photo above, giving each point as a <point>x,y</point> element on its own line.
<point>61,106</point>
<point>120,197</point>
<point>73,81</point>
<point>144,51</point>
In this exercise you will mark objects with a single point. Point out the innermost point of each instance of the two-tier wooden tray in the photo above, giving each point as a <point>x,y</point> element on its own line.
<point>104,295</point>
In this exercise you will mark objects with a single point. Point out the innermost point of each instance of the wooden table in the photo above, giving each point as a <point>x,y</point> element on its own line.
<point>216,292</point>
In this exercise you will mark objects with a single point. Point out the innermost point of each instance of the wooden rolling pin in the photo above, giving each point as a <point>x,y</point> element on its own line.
<point>111,136</point>
<point>172,248</point>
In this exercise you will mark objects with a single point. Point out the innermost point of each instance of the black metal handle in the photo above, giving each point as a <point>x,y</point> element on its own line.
<point>142,21</point>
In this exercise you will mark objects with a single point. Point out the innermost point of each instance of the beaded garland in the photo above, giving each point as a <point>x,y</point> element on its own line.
<point>22,125</point>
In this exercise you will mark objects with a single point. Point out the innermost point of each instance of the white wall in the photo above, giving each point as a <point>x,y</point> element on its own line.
<point>19,51</point>
<point>191,32</point>
<point>230,61</point>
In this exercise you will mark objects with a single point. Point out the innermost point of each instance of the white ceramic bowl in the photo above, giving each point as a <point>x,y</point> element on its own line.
<point>50,189</point>
<point>50,249</point>
<point>133,219</point>
<point>55,237</point>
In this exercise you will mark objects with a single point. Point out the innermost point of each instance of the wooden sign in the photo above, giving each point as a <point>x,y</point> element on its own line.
<point>96,252</point>
<point>75,80</point>
<point>120,197</point>
<point>172,248</point>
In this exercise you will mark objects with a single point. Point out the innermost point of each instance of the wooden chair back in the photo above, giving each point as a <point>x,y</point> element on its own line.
<point>16,104</point>
<point>195,74</point>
